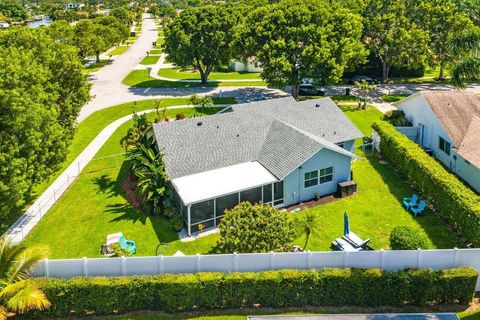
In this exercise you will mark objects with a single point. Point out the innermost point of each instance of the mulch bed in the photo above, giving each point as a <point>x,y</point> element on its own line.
<point>128,188</point>
<point>312,203</point>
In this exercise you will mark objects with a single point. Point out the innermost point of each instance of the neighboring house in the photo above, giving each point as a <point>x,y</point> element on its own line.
<point>4,24</point>
<point>448,123</point>
<point>250,65</point>
<point>276,151</point>
<point>74,5</point>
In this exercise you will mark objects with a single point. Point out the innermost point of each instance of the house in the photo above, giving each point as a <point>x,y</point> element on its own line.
<point>448,124</point>
<point>278,151</point>
<point>74,5</point>
<point>4,24</point>
<point>250,65</point>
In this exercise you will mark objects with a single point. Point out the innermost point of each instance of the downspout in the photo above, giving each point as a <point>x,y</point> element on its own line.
<point>189,231</point>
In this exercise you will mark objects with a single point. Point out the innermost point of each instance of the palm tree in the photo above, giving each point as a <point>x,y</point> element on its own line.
<point>364,87</point>
<point>17,293</point>
<point>197,100</point>
<point>152,180</point>
<point>309,222</point>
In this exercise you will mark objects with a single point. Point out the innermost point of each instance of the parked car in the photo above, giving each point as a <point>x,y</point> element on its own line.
<point>310,90</point>
<point>370,80</point>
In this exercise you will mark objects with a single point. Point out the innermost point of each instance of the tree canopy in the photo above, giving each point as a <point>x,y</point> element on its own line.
<point>255,228</point>
<point>295,39</point>
<point>201,38</point>
<point>42,89</point>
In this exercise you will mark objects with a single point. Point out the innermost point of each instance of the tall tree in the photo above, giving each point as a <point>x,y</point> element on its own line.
<point>443,21</point>
<point>201,38</point>
<point>17,294</point>
<point>295,39</point>
<point>394,39</point>
<point>467,69</point>
<point>42,89</point>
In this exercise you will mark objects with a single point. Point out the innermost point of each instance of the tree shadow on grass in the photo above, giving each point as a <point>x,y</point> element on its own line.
<point>434,227</point>
<point>106,185</point>
<point>127,213</point>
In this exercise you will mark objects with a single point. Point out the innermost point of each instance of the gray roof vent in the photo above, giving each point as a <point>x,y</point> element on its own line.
<point>199,123</point>
<point>317,105</point>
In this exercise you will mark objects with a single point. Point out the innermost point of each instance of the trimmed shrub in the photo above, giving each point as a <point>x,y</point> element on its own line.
<point>406,238</point>
<point>397,118</point>
<point>458,204</point>
<point>177,222</point>
<point>284,288</point>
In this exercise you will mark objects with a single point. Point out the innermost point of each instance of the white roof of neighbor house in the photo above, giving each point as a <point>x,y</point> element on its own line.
<point>218,182</point>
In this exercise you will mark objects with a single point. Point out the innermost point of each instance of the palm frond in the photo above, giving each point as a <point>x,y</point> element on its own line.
<point>465,71</point>
<point>24,263</point>
<point>23,296</point>
<point>3,313</point>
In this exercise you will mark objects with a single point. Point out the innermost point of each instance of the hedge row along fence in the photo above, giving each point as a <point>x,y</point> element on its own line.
<point>458,204</point>
<point>204,291</point>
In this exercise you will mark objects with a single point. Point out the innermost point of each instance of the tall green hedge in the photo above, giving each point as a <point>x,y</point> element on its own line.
<point>326,287</point>
<point>458,204</point>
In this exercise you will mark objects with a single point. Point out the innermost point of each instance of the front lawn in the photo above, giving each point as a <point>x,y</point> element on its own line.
<point>118,50</point>
<point>180,74</point>
<point>94,206</point>
<point>154,51</point>
<point>150,60</point>
<point>141,78</point>
<point>394,97</point>
<point>94,67</point>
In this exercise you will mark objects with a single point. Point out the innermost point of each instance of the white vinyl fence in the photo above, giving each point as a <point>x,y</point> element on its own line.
<point>388,260</point>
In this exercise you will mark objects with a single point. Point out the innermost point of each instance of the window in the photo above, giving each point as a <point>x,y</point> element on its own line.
<point>267,193</point>
<point>311,179</point>
<point>253,195</point>
<point>202,211</point>
<point>444,145</point>
<point>326,175</point>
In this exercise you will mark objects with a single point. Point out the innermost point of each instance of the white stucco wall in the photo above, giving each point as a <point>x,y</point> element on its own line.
<point>239,66</point>
<point>417,110</point>
<point>294,188</point>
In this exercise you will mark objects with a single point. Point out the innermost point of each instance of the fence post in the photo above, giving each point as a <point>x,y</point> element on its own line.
<point>160,264</point>
<point>235,262</point>
<point>54,195</point>
<point>309,259</point>
<point>197,262</point>
<point>345,258</point>
<point>382,258</point>
<point>419,260</point>
<point>85,267</point>
<point>455,257</point>
<point>45,264</point>
<point>272,260</point>
<point>124,267</point>
<point>78,168</point>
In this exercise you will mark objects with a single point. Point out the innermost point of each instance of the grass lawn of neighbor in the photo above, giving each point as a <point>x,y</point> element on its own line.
<point>94,206</point>
<point>150,60</point>
<point>179,74</point>
<point>394,97</point>
<point>94,67</point>
<point>118,50</point>
<point>141,78</point>
<point>430,76</point>
<point>155,51</point>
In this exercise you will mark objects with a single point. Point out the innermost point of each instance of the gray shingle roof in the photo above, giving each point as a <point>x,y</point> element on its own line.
<point>212,142</point>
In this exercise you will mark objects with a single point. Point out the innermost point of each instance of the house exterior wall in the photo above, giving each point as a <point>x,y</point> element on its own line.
<point>294,187</point>
<point>239,66</point>
<point>419,112</point>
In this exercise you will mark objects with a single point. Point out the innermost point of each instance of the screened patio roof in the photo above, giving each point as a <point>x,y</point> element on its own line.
<point>214,183</point>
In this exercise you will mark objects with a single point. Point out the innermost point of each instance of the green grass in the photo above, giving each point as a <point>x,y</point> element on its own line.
<point>87,130</point>
<point>94,206</point>
<point>150,60</point>
<point>430,76</point>
<point>118,50</point>
<point>160,41</point>
<point>154,51</point>
<point>394,97</point>
<point>140,78</point>
<point>94,67</point>
<point>469,315</point>
<point>179,74</point>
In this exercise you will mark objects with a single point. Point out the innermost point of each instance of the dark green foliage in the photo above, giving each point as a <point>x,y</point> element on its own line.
<point>201,38</point>
<point>284,288</point>
<point>256,228</point>
<point>397,118</point>
<point>458,204</point>
<point>177,222</point>
<point>12,10</point>
<point>42,89</point>
<point>406,238</point>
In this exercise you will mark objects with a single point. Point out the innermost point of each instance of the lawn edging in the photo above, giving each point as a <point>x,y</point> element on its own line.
<point>458,204</point>
<point>281,288</point>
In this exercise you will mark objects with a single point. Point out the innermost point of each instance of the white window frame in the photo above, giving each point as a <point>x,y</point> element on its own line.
<point>325,175</point>
<point>305,180</point>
